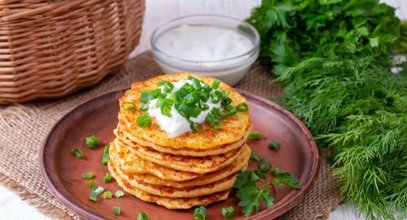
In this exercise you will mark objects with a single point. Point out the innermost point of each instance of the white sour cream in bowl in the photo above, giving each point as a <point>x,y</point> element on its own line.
<point>210,45</point>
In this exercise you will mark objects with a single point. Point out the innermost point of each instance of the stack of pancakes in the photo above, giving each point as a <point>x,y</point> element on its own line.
<point>196,168</point>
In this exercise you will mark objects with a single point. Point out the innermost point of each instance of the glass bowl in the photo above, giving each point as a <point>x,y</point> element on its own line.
<point>229,70</point>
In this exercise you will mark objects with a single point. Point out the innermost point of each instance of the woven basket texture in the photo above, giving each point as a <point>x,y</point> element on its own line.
<point>50,48</point>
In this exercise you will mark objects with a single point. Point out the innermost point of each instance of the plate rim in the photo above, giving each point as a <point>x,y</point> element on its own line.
<point>290,203</point>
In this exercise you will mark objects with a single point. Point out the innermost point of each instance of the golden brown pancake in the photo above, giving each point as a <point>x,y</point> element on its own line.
<point>122,128</point>
<point>186,192</point>
<point>233,127</point>
<point>239,164</point>
<point>169,203</point>
<point>133,164</point>
<point>199,165</point>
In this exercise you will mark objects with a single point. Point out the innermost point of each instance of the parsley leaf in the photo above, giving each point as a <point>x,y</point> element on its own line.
<point>284,178</point>
<point>251,196</point>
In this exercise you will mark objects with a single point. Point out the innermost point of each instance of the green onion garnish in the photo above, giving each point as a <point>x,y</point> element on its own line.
<point>144,120</point>
<point>91,185</point>
<point>88,175</point>
<point>254,136</point>
<point>215,84</point>
<point>273,145</point>
<point>107,195</point>
<point>129,106</point>
<point>242,107</point>
<point>216,96</point>
<point>194,126</point>
<point>92,141</point>
<point>228,212</point>
<point>77,153</point>
<point>107,178</point>
<point>116,210</point>
<point>105,158</point>
<point>142,216</point>
<point>167,86</point>
<point>254,157</point>
<point>118,194</point>
<point>144,107</point>
<point>95,193</point>
<point>200,213</point>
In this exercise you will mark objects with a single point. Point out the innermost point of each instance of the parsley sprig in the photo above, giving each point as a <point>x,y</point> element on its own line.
<point>249,192</point>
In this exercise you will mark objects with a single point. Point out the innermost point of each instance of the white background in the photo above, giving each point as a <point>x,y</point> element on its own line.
<point>158,12</point>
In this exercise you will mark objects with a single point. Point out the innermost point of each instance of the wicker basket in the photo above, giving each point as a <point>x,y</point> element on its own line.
<point>50,48</point>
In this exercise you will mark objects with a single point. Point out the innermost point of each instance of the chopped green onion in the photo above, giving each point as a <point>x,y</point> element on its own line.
<point>146,96</point>
<point>91,185</point>
<point>107,178</point>
<point>226,101</point>
<point>167,86</point>
<point>254,157</point>
<point>273,145</point>
<point>144,107</point>
<point>254,136</point>
<point>228,212</point>
<point>230,110</point>
<point>92,141</point>
<point>194,126</point>
<point>213,118</point>
<point>95,193</point>
<point>116,210</point>
<point>105,158</point>
<point>107,195</point>
<point>142,216</point>
<point>216,96</point>
<point>144,120</point>
<point>118,194</point>
<point>77,153</point>
<point>215,84</point>
<point>242,107</point>
<point>88,175</point>
<point>195,82</point>
<point>129,106</point>
<point>200,213</point>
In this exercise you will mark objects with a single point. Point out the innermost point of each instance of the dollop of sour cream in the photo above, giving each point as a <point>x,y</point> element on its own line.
<point>177,125</point>
<point>203,43</point>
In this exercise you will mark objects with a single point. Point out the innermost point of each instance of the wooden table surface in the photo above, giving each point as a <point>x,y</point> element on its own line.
<point>159,12</point>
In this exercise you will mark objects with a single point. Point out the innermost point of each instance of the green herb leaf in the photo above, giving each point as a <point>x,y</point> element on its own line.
<point>142,216</point>
<point>273,145</point>
<point>92,141</point>
<point>144,120</point>
<point>254,136</point>
<point>91,185</point>
<point>250,197</point>
<point>116,210</point>
<point>107,178</point>
<point>118,194</point>
<point>215,84</point>
<point>200,213</point>
<point>77,153</point>
<point>88,175</point>
<point>166,86</point>
<point>107,195</point>
<point>105,158</point>
<point>95,193</point>
<point>228,212</point>
<point>284,178</point>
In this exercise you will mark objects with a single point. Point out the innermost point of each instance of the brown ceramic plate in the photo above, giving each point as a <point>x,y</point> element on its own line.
<point>62,172</point>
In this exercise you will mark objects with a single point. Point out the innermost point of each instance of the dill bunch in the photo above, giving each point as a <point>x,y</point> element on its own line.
<point>360,109</point>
